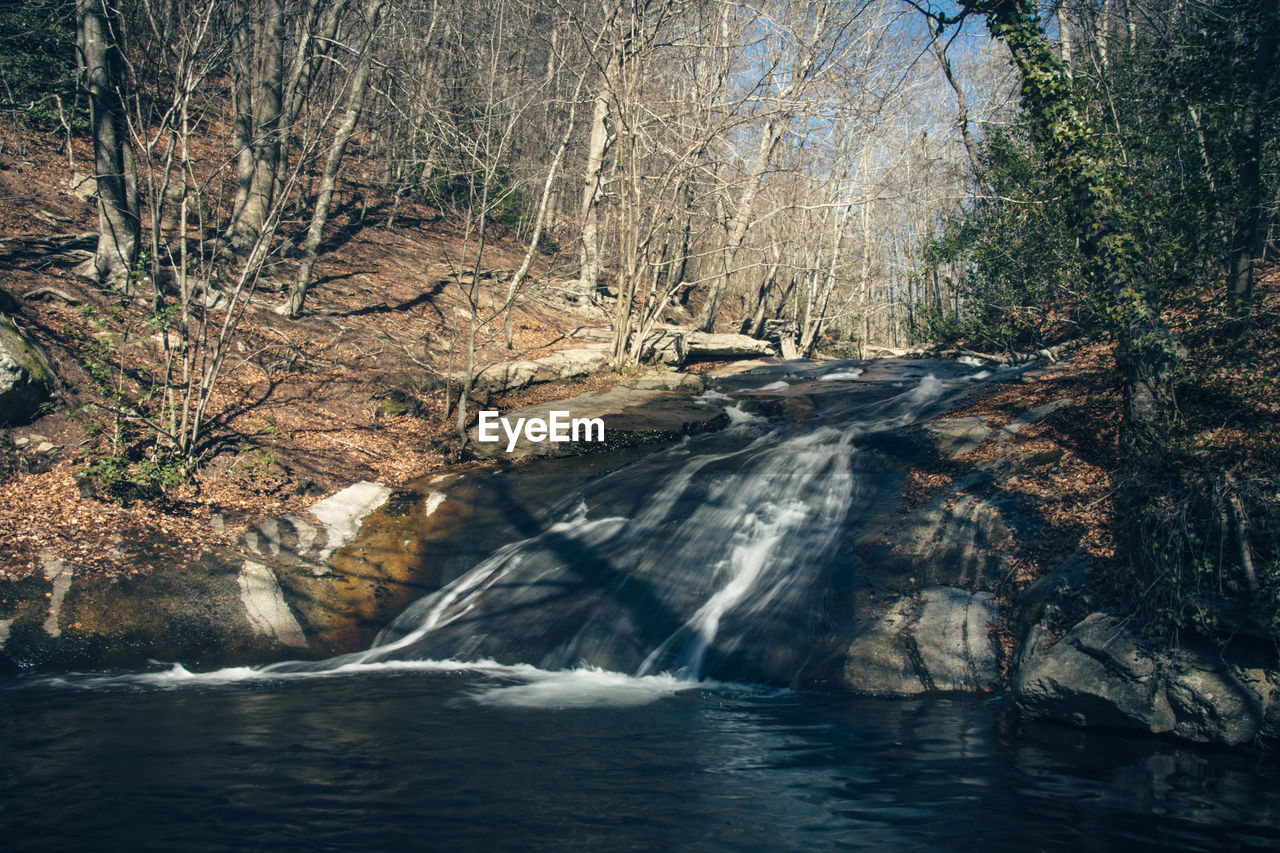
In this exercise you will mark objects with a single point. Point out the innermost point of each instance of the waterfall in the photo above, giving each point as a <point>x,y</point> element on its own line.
<point>713,560</point>
<point>709,560</point>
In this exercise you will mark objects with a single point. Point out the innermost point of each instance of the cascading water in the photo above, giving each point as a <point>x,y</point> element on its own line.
<point>713,562</point>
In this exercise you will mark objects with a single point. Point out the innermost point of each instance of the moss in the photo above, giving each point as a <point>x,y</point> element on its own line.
<point>1049,457</point>
<point>35,382</point>
<point>1035,613</point>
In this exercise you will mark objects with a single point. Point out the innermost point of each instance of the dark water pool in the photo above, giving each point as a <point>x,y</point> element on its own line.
<point>509,760</point>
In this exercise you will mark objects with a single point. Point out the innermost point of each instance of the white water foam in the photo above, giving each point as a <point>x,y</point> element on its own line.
<point>177,676</point>
<point>582,688</point>
<point>713,397</point>
<point>773,386</point>
<point>929,389</point>
<point>738,415</point>
<point>534,688</point>
<point>842,375</point>
<point>590,687</point>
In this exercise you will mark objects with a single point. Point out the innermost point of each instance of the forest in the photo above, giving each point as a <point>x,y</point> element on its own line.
<point>989,176</point>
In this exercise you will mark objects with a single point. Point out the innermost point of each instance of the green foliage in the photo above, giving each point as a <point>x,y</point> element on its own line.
<point>139,461</point>
<point>1117,197</point>
<point>513,210</point>
<point>1017,267</point>
<point>1139,165</point>
<point>461,191</point>
<point>120,477</point>
<point>256,467</point>
<point>37,60</point>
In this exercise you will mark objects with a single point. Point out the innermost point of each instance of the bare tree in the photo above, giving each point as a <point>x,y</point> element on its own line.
<point>357,90</point>
<point>102,73</point>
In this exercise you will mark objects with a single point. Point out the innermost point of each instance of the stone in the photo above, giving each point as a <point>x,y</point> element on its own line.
<point>957,436</point>
<point>936,641</point>
<point>27,380</point>
<point>565,364</point>
<point>707,345</point>
<point>265,608</point>
<point>1036,415</point>
<point>342,514</point>
<point>664,345</point>
<point>1100,674</point>
<point>675,345</point>
<point>953,538</point>
<point>59,573</point>
<point>666,380</point>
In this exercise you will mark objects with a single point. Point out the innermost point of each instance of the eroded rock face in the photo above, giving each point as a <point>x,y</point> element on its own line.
<point>1100,674</point>
<point>27,379</point>
<point>935,641</point>
<point>302,585</point>
<point>956,537</point>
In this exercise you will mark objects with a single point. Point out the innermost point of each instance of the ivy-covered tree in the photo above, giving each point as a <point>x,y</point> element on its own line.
<point>1142,175</point>
<point>1086,173</point>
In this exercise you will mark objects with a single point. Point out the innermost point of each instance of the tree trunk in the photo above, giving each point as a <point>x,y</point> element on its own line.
<point>312,49</point>
<point>257,174</point>
<point>755,324</point>
<point>329,178</point>
<point>543,202</point>
<point>1248,240</point>
<point>589,263</point>
<point>962,102</point>
<point>1064,35</point>
<point>117,181</point>
<point>741,222</point>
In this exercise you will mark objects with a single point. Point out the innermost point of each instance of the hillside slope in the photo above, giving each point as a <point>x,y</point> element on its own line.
<point>353,390</point>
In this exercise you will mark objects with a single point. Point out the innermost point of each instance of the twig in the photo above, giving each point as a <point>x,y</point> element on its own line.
<point>133,415</point>
<point>372,453</point>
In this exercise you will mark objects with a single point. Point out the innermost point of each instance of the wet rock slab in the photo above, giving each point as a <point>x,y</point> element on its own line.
<point>933,641</point>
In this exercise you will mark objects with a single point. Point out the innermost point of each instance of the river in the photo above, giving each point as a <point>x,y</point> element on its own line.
<point>467,759</point>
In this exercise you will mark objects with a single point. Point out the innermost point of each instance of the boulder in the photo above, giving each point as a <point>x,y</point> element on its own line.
<point>957,436</point>
<point>955,537</point>
<point>933,641</point>
<point>665,345</point>
<point>307,585</point>
<point>706,345</point>
<point>27,380</point>
<point>1101,674</point>
<point>566,364</point>
<point>674,345</point>
<point>665,380</point>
